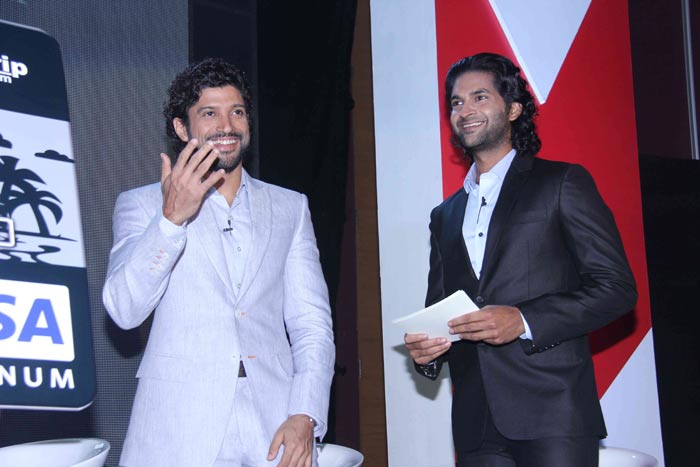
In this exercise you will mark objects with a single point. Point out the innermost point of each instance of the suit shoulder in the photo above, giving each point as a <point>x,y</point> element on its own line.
<point>143,193</point>
<point>454,198</point>
<point>276,191</point>
<point>550,165</point>
<point>556,167</point>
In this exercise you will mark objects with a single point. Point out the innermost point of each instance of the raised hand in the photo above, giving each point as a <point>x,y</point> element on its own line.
<point>185,184</point>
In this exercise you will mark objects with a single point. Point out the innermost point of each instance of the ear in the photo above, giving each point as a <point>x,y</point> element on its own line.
<point>516,108</point>
<point>181,129</point>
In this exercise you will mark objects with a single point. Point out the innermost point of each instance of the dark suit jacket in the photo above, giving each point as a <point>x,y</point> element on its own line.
<point>553,251</point>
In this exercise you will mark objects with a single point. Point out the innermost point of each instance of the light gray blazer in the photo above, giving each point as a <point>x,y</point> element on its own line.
<point>201,329</point>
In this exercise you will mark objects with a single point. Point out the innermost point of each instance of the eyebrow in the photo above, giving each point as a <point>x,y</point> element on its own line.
<point>471,93</point>
<point>214,107</point>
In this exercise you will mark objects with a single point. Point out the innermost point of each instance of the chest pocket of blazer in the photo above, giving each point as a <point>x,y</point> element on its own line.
<point>528,217</point>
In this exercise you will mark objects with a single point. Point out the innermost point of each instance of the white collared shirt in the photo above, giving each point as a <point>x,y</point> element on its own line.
<point>480,204</point>
<point>236,227</point>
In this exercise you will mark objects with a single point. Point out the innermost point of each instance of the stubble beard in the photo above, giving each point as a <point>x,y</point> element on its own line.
<point>223,161</point>
<point>230,164</point>
<point>491,138</point>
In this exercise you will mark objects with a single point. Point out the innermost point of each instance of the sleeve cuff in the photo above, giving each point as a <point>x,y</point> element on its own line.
<point>527,334</point>
<point>173,232</point>
<point>430,370</point>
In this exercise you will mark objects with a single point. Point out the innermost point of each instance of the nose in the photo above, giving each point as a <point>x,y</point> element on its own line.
<point>225,124</point>
<point>463,110</point>
<point>468,108</point>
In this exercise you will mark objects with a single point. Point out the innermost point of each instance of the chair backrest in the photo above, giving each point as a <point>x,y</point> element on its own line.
<point>620,457</point>
<point>333,455</point>
<point>70,452</point>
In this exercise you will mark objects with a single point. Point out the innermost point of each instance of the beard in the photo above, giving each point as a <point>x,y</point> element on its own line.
<point>492,137</point>
<point>225,160</point>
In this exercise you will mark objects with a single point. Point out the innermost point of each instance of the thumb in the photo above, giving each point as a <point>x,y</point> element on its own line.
<point>274,446</point>
<point>165,167</point>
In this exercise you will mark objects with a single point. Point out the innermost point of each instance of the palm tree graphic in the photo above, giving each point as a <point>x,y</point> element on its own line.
<point>17,190</point>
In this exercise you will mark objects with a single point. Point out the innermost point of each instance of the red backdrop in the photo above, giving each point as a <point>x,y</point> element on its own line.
<point>588,118</point>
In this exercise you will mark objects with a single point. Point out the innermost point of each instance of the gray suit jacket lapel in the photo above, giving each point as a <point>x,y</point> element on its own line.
<point>261,219</point>
<point>206,231</point>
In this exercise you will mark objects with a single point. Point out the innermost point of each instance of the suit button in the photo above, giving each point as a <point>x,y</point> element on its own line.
<point>480,300</point>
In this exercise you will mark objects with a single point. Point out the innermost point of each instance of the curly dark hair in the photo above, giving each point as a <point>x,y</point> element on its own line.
<point>186,89</point>
<point>512,88</point>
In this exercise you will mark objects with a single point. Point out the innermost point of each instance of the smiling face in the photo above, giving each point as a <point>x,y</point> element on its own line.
<point>479,116</point>
<point>218,116</point>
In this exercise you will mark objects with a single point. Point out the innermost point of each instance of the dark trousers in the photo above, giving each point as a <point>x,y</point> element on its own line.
<point>498,451</point>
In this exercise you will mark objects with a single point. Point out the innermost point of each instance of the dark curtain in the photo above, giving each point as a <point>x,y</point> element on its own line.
<point>671,207</point>
<point>304,117</point>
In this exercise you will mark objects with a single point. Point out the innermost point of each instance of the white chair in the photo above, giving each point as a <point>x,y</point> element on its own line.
<point>333,455</point>
<point>620,457</point>
<point>70,452</point>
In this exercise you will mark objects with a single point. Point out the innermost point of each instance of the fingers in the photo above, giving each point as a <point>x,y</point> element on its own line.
<point>196,162</point>
<point>165,167</point>
<point>294,458</point>
<point>203,160</point>
<point>185,154</point>
<point>424,350</point>
<point>411,338</point>
<point>468,323</point>
<point>297,450</point>
<point>468,318</point>
<point>274,446</point>
<point>492,324</point>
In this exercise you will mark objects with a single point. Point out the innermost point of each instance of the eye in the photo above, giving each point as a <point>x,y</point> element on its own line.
<point>208,113</point>
<point>239,112</point>
<point>480,97</point>
<point>455,103</point>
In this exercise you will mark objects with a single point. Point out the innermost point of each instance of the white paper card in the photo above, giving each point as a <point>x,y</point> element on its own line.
<point>433,319</point>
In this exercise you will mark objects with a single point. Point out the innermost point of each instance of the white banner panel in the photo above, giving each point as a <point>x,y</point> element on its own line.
<point>409,185</point>
<point>630,405</point>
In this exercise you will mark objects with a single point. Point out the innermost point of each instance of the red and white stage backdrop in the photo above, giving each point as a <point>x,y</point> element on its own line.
<point>576,57</point>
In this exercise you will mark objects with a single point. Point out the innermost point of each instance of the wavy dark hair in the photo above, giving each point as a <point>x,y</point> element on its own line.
<point>512,88</point>
<point>186,89</point>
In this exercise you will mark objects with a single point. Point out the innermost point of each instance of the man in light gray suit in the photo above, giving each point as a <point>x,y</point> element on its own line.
<point>240,355</point>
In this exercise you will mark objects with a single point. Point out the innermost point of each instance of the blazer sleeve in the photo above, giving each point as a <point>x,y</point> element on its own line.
<point>141,259</point>
<point>436,292</point>
<point>308,321</point>
<point>606,288</point>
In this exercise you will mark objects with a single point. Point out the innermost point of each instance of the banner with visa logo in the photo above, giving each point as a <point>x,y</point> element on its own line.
<point>46,351</point>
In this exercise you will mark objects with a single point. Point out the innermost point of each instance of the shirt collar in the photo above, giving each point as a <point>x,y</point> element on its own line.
<point>499,170</point>
<point>244,185</point>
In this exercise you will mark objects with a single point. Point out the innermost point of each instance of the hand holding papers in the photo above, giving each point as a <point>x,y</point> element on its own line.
<point>433,319</point>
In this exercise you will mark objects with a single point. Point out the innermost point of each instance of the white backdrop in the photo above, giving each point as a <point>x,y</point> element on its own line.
<point>409,185</point>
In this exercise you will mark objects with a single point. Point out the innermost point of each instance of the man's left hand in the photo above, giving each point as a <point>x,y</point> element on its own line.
<point>297,435</point>
<point>493,324</point>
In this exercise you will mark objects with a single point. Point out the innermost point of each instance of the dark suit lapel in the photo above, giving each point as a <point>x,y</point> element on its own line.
<point>453,229</point>
<point>517,174</point>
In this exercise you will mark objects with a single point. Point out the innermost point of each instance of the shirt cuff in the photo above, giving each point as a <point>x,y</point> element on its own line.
<point>527,334</point>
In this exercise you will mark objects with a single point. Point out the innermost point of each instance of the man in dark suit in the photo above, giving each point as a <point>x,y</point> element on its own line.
<point>533,244</point>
